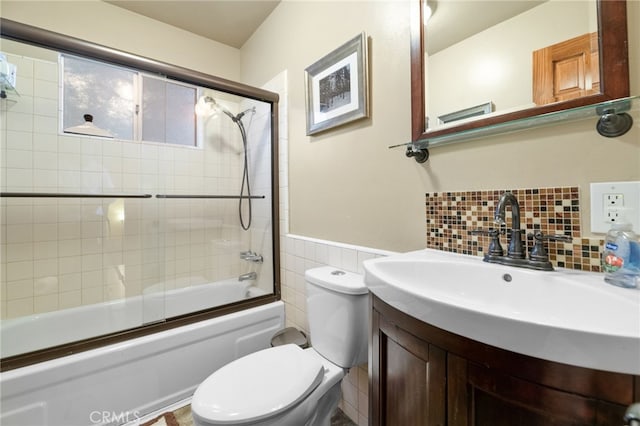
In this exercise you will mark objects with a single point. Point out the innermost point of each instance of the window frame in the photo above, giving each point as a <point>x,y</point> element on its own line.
<point>137,107</point>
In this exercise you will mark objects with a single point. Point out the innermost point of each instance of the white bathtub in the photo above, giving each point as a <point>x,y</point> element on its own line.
<point>118,383</point>
<point>32,332</point>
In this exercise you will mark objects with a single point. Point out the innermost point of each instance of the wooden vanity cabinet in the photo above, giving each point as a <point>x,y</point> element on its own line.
<point>421,375</point>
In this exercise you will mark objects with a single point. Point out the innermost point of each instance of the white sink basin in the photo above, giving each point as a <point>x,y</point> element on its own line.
<point>565,316</point>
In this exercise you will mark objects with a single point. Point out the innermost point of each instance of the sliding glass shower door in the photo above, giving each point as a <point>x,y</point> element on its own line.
<point>101,235</point>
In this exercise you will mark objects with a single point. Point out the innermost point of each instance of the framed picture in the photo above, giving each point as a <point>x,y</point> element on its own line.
<point>337,87</point>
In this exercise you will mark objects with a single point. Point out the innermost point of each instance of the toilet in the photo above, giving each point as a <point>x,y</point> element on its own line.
<point>287,385</point>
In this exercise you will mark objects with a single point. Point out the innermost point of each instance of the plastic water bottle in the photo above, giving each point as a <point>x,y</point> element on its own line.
<point>621,256</point>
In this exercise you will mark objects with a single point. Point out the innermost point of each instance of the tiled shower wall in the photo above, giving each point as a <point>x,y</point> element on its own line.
<point>67,252</point>
<point>450,216</point>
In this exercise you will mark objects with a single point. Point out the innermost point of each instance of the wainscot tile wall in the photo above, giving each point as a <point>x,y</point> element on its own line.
<point>301,253</point>
<point>450,216</point>
<point>298,254</point>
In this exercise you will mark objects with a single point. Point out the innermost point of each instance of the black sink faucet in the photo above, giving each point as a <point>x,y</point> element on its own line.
<point>515,249</point>
<point>516,252</point>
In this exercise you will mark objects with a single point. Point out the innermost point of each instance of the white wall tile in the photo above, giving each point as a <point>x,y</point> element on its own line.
<point>46,107</point>
<point>19,233</point>
<point>19,214</point>
<point>45,124</point>
<point>19,270</point>
<point>70,282</point>
<point>44,70</point>
<point>19,307</point>
<point>45,232</point>
<point>19,140</point>
<point>19,159</point>
<point>45,160</point>
<point>45,268</point>
<point>69,161</point>
<point>45,179</point>
<point>19,122</point>
<point>45,142</point>
<point>45,285</point>
<point>17,252</point>
<point>69,299</point>
<point>19,289</point>
<point>24,106</point>
<point>45,303</point>
<point>70,264</point>
<point>69,144</point>
<point>19,179</point>
<point>92,295</point>
<point>45,89</point>
<point>45,249</point>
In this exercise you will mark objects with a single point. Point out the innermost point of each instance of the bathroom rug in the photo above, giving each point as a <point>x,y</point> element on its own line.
<point>179,417</point>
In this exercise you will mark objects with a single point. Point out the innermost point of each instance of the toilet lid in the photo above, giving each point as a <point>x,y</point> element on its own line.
<point>258,385</point>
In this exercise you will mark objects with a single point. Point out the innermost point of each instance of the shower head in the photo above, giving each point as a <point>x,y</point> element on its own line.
<point>208,106</point>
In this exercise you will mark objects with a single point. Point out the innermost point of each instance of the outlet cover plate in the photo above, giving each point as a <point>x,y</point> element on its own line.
<point>630,210</point>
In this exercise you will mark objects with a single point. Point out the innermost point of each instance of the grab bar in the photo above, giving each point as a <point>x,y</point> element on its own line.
<point>68,195</point>
<point>223,197</point>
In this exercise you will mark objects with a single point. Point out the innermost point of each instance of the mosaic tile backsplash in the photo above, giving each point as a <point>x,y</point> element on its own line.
<point>450,216</point>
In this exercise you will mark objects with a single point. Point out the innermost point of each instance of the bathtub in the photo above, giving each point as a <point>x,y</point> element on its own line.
<point>119,383</point>
<point>32,332</point>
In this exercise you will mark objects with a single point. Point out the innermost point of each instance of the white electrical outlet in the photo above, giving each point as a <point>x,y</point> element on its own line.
<point>614,202</point>
<point>613,215</point>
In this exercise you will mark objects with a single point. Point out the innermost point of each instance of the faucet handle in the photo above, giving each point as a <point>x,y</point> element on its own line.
<point>251,256</point>
<point>539,236</point>
<point>539,251</point>
<point>495,249</point>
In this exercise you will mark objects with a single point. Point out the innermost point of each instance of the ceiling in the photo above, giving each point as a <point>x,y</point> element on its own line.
<point>231,22</point>
<point>455,20</point>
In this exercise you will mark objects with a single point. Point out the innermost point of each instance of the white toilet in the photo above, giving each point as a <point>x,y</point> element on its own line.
<point>286,385</point>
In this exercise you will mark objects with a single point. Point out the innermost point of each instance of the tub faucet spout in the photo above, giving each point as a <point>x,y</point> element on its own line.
<point>248,276</point>
<point>515,250</point>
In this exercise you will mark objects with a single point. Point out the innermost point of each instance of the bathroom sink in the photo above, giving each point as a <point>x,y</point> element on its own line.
<point>566,316</point>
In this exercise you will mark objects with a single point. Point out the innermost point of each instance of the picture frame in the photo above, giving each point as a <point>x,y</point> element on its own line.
<point>337,87</point>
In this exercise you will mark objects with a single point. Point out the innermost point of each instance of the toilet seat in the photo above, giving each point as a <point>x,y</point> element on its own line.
<point>257,386</point>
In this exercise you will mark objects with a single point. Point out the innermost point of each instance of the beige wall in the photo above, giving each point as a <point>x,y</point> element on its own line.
<point>346,186</point>
<point>108,25</point>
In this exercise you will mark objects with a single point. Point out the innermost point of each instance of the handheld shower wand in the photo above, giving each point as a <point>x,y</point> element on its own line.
<point>208,106</point>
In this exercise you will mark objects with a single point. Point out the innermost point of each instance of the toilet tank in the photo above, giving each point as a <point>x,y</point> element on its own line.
<point>338,315</point>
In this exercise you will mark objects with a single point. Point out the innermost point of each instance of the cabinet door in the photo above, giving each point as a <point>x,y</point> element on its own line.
<point>566,70</point>
<point>425,376</point>
<point>491,398</point>
<point>409,384</point>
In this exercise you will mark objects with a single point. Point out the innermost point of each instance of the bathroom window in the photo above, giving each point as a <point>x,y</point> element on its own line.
<point>128,104</point>
<point>168,113</point>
